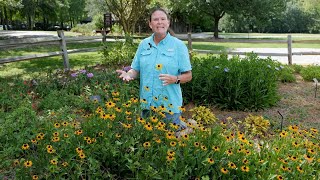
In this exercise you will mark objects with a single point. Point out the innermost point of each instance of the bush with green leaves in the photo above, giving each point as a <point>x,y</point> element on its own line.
<point>248,83</point>
<point>286,74</point>
<point>119,53</point>
<point>310,72</point>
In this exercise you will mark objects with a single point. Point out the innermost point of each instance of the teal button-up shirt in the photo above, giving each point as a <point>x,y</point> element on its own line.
<point>170,56</point>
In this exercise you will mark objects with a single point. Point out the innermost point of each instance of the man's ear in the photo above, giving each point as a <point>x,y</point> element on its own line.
<point>150,25</point>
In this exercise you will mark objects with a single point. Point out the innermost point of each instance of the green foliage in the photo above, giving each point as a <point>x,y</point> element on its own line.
<point>243,84</point>
<point>286,74</point>
<point>105,138</point>
<point>85,29</point>
<point>310,72</point>
<point>256,125</point>
<point>297,68</point>
<point>119,53</point>
<point>203,114</point>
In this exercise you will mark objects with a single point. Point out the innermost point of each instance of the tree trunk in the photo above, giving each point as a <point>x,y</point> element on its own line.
<point>5,19</point>
<point>216,27</point>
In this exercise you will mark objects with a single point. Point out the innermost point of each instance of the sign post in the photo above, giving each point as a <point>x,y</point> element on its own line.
<point>107,23</point>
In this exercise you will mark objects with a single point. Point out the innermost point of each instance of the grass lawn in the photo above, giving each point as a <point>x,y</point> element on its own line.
<point>34,67</point>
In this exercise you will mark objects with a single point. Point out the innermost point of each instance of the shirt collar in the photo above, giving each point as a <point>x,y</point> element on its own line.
<point>163,41</point>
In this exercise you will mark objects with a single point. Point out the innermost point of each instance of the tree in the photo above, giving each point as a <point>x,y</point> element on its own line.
<point>216,9</point>
<point>127,12</point>
<point>7,6</point>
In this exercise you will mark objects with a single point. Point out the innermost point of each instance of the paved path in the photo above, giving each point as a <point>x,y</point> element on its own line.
<point>296,59</point>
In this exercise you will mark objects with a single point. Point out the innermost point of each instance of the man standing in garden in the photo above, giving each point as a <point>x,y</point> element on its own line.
<point>162,61</point>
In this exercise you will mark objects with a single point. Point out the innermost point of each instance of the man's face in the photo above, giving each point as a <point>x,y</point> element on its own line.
<point>159,23</point>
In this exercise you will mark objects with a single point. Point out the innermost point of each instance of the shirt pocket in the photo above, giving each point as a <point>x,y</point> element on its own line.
<point>170,62</point>
<point>146,57</point>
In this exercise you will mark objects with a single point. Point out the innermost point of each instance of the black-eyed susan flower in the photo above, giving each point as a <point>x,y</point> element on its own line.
<point>55,139</point>
<point>79,150</point>
<point>245,168</point>
<point>65,124</point>
<point>118,135</point>
<point>159,66</point>
<point>299,168</point>
<point>134,100</point>
<point>100,134</point>
<point>27,164</point>
<point>154,119</point>
<point>54,161</point>
<point>35,177</point>
<point>51,150</point>
<point>210,160</point>
<point>182,108</point>
<point>173,143</point>
<point>110,104</point>
<point>170,153</point>
<point>224,170</point>
<point>25,146</point>
<point>308,158</point>
<point>229,152</point>
<point>118,109</point>
<point>185,137</point>
<point>279,177</point>
<point>216,148</point>
<point>148,127</point>
<point>56,125</point>
<point>34,141</point>
<point>143,101</point>
<point>245,161</point>
<point>146,88</point>
<point>158,141</point>
<point>78,132</point>
<point>170,158</point>
<point>146,144</point>
<point>232,165</point>
<point>65,164</point>
<point>283,134</point>
<point>127,105</point>
<point>16,162</point>
<point>153,108</point>
<point>115,93</point>
<point>196,144</point>
<point>82,155</point>
<point>162,108</point>
<point>204,148</point>
<point>311,151</point>
<point>55,134</point>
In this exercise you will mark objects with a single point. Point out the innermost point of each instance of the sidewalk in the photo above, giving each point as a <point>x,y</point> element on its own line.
<point>296,59</point>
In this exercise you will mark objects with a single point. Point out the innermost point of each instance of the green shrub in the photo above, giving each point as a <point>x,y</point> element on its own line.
<point>243,84</point>
<point>297,68</point>
<point>310,72</point>
<point>120,52</point>
<point>85,29</point>
<point>286,74</point>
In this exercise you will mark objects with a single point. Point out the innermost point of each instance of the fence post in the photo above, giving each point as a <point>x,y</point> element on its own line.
<point>63,47</point>
<point>189,41</point>
<point>289,50</point>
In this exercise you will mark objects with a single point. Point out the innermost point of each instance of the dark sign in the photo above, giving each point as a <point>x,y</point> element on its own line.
<point>107,20</point>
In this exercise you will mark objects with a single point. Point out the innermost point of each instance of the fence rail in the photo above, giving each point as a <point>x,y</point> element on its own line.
<point>289,42</point>
<point>62,41</point>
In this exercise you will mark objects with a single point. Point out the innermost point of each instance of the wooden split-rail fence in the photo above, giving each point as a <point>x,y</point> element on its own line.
<point>62,41</point>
